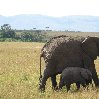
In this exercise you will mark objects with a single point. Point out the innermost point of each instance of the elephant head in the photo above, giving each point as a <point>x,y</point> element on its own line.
<point>91,47</point>
<point>86,74</point>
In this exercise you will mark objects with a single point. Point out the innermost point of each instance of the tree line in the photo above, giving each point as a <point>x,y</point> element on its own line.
<point>8,34</point>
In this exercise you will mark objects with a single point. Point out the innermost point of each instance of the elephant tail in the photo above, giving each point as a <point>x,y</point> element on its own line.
<point>40,69</point>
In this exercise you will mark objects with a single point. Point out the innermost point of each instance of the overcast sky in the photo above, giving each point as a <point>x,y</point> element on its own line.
<point>55,8</point>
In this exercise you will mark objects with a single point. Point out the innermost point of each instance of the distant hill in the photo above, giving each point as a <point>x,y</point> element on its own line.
<point>71,23</point>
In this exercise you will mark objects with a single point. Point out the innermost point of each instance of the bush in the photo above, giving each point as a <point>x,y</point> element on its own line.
<point>31,37</point>
<point>7,34</point>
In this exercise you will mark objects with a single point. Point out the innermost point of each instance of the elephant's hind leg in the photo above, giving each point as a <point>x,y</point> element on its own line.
<point>54,83</point>
<point>68,87</point>
<point>45,76</point>
<point>78,85</point>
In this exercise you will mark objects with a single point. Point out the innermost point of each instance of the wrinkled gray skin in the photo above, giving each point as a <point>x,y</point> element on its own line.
<point>76,75</point>
<point>63,51</point>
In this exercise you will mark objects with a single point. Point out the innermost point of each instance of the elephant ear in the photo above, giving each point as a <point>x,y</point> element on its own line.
<point>89,47</point>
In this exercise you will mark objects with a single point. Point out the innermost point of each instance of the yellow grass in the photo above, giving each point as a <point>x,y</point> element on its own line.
<point>19,74</point>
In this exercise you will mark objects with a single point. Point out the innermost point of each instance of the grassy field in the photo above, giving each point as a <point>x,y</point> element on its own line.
<point>19,75</point>
<point>84,34</point>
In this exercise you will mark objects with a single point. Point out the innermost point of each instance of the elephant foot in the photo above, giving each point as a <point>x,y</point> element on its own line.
<point>55,88</point>
<point>41,88</point>
<point>77,89</point>
<point>97,85</point>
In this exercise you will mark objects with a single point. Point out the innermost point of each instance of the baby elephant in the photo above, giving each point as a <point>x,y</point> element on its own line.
<point>76,75</point>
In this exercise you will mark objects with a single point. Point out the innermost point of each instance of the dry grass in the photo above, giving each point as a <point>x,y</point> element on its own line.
<point>19,75</point>
<point>84,34</point>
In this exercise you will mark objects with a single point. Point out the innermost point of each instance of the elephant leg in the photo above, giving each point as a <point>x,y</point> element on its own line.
<point>87,82</point>
<point>83,82</point>
<point>61,84</point>
<point>84,85</point>
<point>90,82</point>
<point>94,76</point>
<point>45,76</point>
<point>68,87</point>
<point>78,85</point>
<point>54,83</point>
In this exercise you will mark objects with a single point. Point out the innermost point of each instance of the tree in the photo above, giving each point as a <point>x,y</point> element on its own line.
<point>47,28</point>
<point>26,36</point>
<point>7,32</point>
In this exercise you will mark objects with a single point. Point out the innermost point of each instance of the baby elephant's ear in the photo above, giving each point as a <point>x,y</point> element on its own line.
<point>84,74</point>
<point>89,73</point>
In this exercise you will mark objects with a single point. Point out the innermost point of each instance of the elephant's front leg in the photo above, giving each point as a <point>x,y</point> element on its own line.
<point>94,75</point>
<point>61,84</point>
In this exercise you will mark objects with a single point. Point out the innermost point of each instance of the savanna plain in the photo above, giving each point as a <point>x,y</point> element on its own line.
<point>19,75</point>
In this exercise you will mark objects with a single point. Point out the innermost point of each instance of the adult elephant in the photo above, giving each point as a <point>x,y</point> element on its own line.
<point>64,51</point>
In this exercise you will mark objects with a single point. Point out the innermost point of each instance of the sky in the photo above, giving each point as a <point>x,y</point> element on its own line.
<point>56,8</point>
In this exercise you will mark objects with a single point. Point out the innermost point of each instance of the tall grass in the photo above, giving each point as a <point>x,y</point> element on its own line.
<point>19,75</point>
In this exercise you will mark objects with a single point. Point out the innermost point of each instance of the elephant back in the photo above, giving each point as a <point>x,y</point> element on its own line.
<point>57,46</point>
